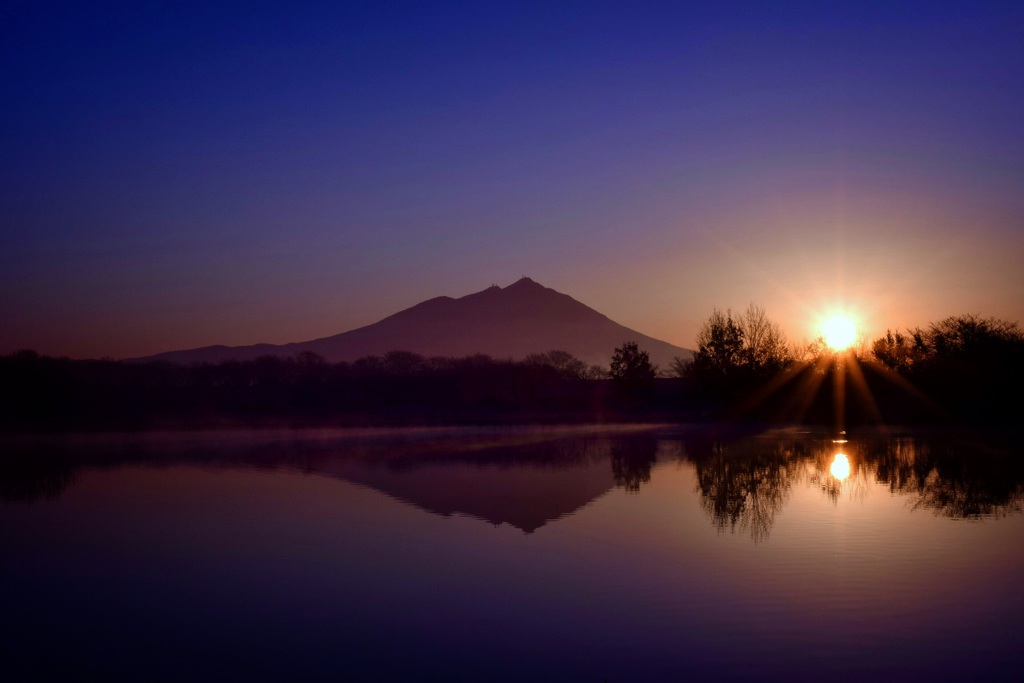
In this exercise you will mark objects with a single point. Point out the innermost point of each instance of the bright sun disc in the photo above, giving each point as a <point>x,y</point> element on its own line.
<point>839,331</point>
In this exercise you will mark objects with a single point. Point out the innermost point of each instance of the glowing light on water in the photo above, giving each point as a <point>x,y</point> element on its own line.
<point>840,468</point>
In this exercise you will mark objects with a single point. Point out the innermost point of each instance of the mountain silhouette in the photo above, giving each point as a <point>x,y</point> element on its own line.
<point>511,322</point>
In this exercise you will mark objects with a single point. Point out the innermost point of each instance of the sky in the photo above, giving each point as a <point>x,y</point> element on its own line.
<point>177,174</point>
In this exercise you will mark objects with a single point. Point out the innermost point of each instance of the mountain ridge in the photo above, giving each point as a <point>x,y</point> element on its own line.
<point>522,318</point>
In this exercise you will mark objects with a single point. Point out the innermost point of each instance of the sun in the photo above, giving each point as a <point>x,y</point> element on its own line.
<point>839,331</point>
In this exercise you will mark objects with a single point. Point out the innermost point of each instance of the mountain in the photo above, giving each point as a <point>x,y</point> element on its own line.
<point>509,322</point>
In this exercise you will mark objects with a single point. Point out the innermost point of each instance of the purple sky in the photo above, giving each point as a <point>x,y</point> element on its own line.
<point>176,175</point>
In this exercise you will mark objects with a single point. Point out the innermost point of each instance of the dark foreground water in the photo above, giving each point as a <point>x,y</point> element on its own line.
<point>511,555</point>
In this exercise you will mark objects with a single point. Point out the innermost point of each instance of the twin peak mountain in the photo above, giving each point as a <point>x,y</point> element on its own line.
<point>509,322</point>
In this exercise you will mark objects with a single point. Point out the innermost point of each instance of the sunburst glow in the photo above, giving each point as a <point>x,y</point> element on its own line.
<point>839,331</point>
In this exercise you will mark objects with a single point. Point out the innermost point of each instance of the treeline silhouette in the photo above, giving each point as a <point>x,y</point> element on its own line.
<point>962,369</point>
<point>40,392</point>
<point>972,367</point>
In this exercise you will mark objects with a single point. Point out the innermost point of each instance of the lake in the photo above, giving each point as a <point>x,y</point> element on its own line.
<point>625,553</point>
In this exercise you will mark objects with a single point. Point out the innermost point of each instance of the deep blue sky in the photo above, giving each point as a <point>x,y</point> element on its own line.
<point>175,175</point>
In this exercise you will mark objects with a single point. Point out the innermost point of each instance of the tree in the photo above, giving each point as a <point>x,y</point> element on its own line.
<point>966,339</point>
<point>719,345</point>
<point>404,363</point>
<point>765,351</point>
<point>899,351</point>
<point>972,367</point>
<point>973,338</point>
<point>562,361</point>
<point>736,354</point>
<point>679,367</point>
<point>631,370</point>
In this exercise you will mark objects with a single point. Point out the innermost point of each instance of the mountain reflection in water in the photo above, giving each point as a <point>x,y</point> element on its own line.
<point>521,477</point>
<point>527,478</point>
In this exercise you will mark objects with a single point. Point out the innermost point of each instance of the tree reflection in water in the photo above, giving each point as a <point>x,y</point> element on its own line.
<point>958,479</point>
<point>632,460</point>
<point>34,475</point>
<point>745,483</point>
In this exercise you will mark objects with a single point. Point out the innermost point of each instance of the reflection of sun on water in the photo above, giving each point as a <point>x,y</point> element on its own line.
<point>840,468</point>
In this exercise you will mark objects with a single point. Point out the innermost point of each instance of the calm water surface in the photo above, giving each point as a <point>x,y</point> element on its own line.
<point>511,555</point>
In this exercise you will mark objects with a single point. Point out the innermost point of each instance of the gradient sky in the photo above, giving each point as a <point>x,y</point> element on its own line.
<point>175,175</point>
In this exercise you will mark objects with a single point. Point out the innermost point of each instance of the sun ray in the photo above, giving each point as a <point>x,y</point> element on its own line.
<point>860,384</point>
<point>839,392</point>
<point>774,385</point>
<point>811,378</point>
